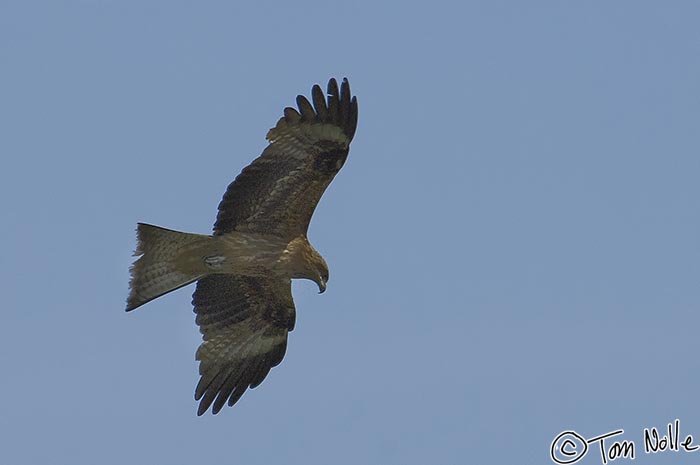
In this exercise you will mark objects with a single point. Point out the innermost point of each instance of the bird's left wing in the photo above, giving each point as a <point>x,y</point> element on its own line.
<point>245,322</point>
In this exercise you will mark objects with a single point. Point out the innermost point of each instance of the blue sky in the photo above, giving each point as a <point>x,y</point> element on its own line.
<point>513,242</point>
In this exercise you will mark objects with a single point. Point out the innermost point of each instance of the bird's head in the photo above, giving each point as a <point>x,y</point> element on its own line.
<point>307,263</point>
<point>319,271</point>
<point>322,277</point>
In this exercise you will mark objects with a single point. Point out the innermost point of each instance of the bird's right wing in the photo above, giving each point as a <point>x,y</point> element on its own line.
<point>278,192</point>
<point>245,322</point>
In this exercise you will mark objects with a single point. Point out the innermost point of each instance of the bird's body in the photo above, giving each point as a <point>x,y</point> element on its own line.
<point>197,255</point>
<point>244,270</point>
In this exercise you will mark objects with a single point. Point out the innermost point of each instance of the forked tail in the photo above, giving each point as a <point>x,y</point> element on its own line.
<point>156,272</point>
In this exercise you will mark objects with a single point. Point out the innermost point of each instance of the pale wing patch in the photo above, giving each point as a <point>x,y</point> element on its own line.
<point>300,136</point>
<point>225,346</point>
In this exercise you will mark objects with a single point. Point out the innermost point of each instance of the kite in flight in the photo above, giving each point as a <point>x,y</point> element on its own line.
<point>243,300</point>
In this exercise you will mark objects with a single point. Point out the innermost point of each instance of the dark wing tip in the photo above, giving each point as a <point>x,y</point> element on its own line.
<point>333,87</point>
<point>319,100</point>
<point>228,390</point>
<point>218,388</point>
<point>339,108</point>
<point>291,115</point>
<point>348,109</point>
<point>307,111</point>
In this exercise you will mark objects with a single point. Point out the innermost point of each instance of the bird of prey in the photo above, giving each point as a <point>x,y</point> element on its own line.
<point>243,299</point>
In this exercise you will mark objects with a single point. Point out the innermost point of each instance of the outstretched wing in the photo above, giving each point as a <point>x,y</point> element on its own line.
<point>245,322</point>
<point>278,192</point>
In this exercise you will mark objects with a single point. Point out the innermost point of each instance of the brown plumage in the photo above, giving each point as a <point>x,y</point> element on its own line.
<point>243,300</point>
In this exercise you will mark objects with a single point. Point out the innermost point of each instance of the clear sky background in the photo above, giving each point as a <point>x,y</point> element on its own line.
<point>514,242</point>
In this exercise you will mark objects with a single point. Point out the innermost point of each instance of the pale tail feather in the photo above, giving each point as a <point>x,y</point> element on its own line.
<point>155,273</point>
